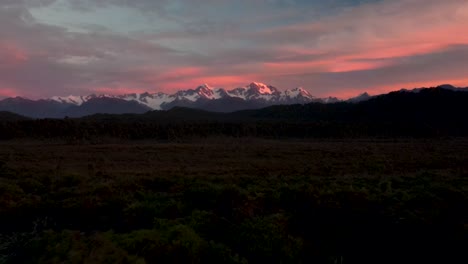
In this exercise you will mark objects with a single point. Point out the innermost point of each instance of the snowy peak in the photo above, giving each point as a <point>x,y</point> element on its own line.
<point>208,92</point>
<point>72,99</point>
<point>205,87</point>
<point>298,92</point>
<point>187,95</point>
<point>261,88</point>
<point>238,92</point>
<point>154,101</point>
<point>256,91</point>
<point>201,92</point>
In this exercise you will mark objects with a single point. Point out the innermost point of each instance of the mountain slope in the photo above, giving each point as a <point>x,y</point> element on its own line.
<point>34,109</point>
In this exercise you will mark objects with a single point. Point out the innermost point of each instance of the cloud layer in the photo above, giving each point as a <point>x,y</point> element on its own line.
<point>61,47</point>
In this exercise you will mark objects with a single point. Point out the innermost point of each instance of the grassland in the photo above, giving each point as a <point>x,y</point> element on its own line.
<point>222,200</point>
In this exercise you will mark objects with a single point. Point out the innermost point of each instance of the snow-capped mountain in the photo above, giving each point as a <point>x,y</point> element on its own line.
<point>255,91</point>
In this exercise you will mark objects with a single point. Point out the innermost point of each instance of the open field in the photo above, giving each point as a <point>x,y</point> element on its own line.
<point>234,201</point>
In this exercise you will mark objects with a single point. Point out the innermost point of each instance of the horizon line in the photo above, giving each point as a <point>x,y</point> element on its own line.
<point>97,93</point>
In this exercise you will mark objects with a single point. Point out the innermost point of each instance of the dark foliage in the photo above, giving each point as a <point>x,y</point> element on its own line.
<point>235,202</point>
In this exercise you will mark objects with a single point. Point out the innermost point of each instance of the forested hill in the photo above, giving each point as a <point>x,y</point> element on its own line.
<point>436,104</point>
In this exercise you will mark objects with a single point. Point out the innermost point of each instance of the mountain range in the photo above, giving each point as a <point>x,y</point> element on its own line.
<point>428,112</point>
<point>253,96</point>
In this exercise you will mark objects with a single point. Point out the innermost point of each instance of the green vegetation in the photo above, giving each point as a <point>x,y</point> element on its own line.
<point>222,200</point>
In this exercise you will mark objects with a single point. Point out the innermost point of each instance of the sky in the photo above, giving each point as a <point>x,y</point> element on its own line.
<point>331,48</point>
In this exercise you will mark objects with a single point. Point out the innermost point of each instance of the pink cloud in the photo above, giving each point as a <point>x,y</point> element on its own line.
<point>11,54</point>
<point>337,64</point>
<point>179,73</point>
<point>8,92</point>
<point>385,30</point>
<point>225,81</point>
<point>115,90</point>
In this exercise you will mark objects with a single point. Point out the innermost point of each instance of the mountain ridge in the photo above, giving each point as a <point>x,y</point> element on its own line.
<point>252,96</point>
<point>159,100</point>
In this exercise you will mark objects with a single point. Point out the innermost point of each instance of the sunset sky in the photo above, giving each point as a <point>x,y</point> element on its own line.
<point>332,47</point>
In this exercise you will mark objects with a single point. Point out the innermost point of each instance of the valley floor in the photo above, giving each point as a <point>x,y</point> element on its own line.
<point>234,201</point>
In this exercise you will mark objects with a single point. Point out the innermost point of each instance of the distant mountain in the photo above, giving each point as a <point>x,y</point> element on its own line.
<point>34,109</point>
<point>253,96</point>
<point>55,109</point>
<point>106,105</point>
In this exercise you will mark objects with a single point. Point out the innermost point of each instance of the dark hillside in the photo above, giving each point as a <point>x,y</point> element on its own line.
<point>9,116</point>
